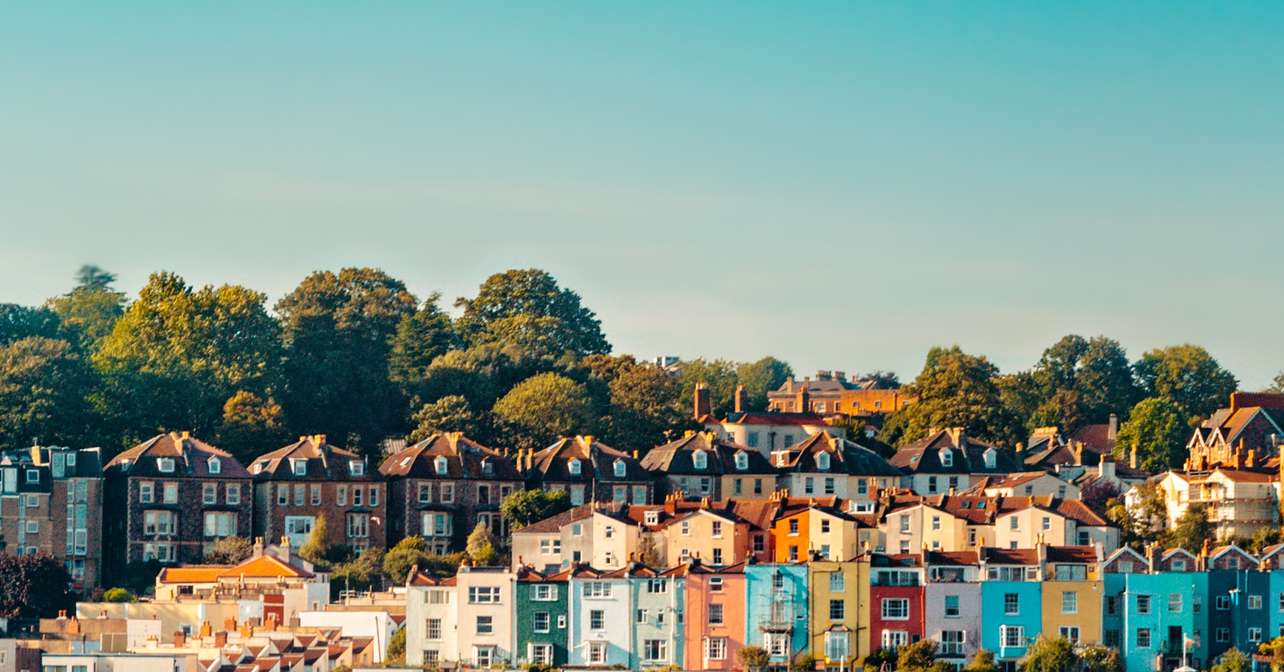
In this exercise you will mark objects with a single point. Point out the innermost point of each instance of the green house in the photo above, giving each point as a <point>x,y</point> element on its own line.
<point>540,615</point>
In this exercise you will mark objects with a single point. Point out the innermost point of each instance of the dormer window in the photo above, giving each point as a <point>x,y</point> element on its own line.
<point>356,467</point>
<point>488,467</point>
<point>742,461</point>
<point>700,459</point>
<point>620,468</point>
<point>574,466</point>
<point>947,457</point>
<point>989,458</point>
<point>652,517</point>
<point>165,465</point>
<point>299,466</point>
<point>71,459</point>
<point>214,465</point>
<point>822,461</point>
<point>33,476</point>
<point>439,465</point>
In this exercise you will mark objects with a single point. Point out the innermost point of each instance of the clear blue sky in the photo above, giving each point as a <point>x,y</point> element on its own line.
<point>842,186</point>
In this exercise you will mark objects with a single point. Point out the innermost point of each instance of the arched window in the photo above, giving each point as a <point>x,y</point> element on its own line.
<point>822,461</point>
<point>574,466</point>
<point>215,465</point>
<point>700,459</point>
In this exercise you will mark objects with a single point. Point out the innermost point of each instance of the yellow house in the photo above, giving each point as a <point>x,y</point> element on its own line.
<point>715,536</point>
<point>1072,592</point>
<point>939,523</point>
<point>839,609</point>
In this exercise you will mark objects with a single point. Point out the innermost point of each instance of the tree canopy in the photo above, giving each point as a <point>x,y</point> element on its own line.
<point>1188,376</point>
<point>530,300</point>
<point>1158,431</point>
<point>543,408</point>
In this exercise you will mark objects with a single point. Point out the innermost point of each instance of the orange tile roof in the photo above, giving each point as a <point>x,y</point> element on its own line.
<point>262,567</point>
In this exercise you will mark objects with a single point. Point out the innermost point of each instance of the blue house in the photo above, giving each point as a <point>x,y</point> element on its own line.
<point>1011,602</point>
<point>1239,593</point>
<point>777,610</point>
<point>1153,605</point>
<point>1272,562</point>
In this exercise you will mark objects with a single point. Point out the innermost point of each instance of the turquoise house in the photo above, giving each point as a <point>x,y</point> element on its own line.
<point>1155,613</point>
<point>1239,594</point>
<point>1011,602</point>
<point>1273,565</point>
<point>778,609</point>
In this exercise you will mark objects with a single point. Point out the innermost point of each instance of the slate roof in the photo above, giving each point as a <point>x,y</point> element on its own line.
<point>846,457</point>
<point>322,461</point>
<point>557,522</point>
<point>465,459</point>
<point>191,459</point>
<point>924,455</point>
<point>597,462</point>
<point>677,458</point>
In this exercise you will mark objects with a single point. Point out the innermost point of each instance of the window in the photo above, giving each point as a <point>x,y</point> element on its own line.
<point>895,609</point>
<point>1143,638</point>
<point>597,653</point>
<point>1072,573</point>
<point>433,628</point>
<point>597,589</point>
<point>1223,603</point>
<point>356,467</point>
<point>165,465</point>
<point>699,459</point>
<point>952,643</point>
<point>214,465</point>
<point>1255,635</point>
<point>485,625</point>
<point>550,546</point>
<point>1223,635</point>
<point>1070,633</point>
<point>1254,601</point>
<point>1069,602</point>
<point>715,648</point>
<point>742,462</point>
<point>1047,523</point>
<point>947,457</point>
<point>299,466</point>
<point>717,529</point>
<point>1013,523</point>
<point>1143,604</point>
<point>759,543</point>
<point>822,461</point>
<point>33,527</point>
<point>541,622</point>
<point>715,614</point>
<point>219,524</point>
<point>541,654</point>
<point>209,493</point>
<point>905,524</point>
<point>147,495</point>
<point>425,493</point>
<point>316,495</point>
<point>793,527</point>
<point>655,650</point>
<point>1174,603</point>
<point>483,493</point>
<point>836,582</point>
<point>952,606</point>
<point>483,594</point>
<point>448,493</point>
<point>837,610</point>
<point>359,525</point>
<point>169,493</point>
<point>809,485</point>
<point>893,639</point>
<point>573,466</point>
<point>358,495</point>
<point>1011,603</point>
<point>374,495</point>
<point>545,593</point>
<point>159,523</point>
<point>715,584</point>
<point>931,484</point>
<point>597,619</point>
<point>1012,635</point>
<point>837,645</point>
<point>232,492</point>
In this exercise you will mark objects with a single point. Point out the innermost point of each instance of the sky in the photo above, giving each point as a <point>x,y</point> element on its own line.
<point>841,185</point>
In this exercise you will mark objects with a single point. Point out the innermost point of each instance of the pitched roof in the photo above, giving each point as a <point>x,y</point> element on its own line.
<point>260,567</point>
<point>950,558</point>
<point>191,458</point>
<point>465,459</point>
<point>557,522</point>
<point>677,457</point>
<point>845,457</point>
<point>320,459</point>
<point>967,455</point>
<point>597,462</point>
<point>775,418</point>
<point>1077,554</point>
<point>1009,556</point>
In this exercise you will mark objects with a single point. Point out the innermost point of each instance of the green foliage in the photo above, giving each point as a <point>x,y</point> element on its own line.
<point>543,408</point>
<point>719,375</point>
<point>450,413</point>
<point>753,657</point>
<point>18,322</point>
<point>42,388</point>
<point>33,586</point>
<point>408,553</point>
<point>420,338</point>
<point>229,551</point>
<point>955,389</point>
<point>251,425</point>
<point>338,331</point>
<point>481,545</point>
<point>645,402</point>
<point>1096,658</point>
<point>316,549</point>
<point>523,304</point>
<point>396,649</point>
<point>917,657</point>
<point>983,661</point>
<point>1274,651</point>
<point>1192,529</point>
<point>140,577</point>
<point>1158,430</point>
<point>524,507</point>
<point>803,663</point>
<point>1079,381</point>
<point>1189,377</point>
<point>91,308</point>
<point>761,377</point>
<point>1050,654</point>
<point>1233,660</point>
<point>360,574</point>
<point>118,595</point>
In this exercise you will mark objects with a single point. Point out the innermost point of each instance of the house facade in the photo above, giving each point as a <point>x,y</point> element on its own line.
<point>51,502</point>
<point>778,610</point>
<point>588,470</point>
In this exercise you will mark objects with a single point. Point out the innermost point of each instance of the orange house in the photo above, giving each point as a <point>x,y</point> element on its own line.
<point>791,532</point>
<point>714,625</point>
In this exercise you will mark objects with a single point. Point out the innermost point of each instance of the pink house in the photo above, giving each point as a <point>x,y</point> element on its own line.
<point>714,623</point>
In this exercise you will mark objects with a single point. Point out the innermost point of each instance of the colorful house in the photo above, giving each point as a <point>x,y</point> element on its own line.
<point>432,619</point>
<point>485,625</point>
<point>599,632</point>
<point>1148,614</point>
<point>658,599</point>
<point>541,617</point>
<point>895,600</point>
<point>1011,602</point>
<point>1238,593</point>
<point>778,610</point>
<point>715,616</point>
<point>840,598</point>
<point>952,603</point>
<point>1072,592</point>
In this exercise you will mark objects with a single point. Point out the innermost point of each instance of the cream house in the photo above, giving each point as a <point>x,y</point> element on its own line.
<point>485,632</point>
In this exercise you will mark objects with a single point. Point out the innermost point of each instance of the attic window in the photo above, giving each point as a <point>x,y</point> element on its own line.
<point>989,458</point>
<point>742,461</point>
<point>439,465</point>
<point>299,466</point>
<point>71,459</point>
<point>33,476</point>
<point>356,467</point>
<point>574,466</point>
<point>700,459</point>
<point>488,467</point>
<point>822,461</point>
<point>652,517</point>
<point>214,465</point>
<point>947,458</point>
<point>165,465</point>
<point>620,468</point>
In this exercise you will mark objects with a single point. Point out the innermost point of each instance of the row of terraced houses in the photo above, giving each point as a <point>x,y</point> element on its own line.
<point>698,616</point>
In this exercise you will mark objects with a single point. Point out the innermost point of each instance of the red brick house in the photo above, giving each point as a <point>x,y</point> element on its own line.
<point>588,470</point>
<point>310,478</point>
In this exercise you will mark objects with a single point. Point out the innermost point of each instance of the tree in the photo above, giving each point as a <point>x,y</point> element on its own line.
<point>524,507</point>
<point>1096,494</point>
<point>1050,654</point>
<point>338,331</point>
<point>316,549</point>
<point>1192,529</point>
<point>955,389</point>
<point>118,595</point>
<point>420,338</point>
<point>177,354</point>
<point>1156,428</point>
<point>917,657</point>
<point>1233,660</point>
<point>1277,384</point>
<point>645,402</point>
<point>450,413</point>
<point>396,649</point>
<point>1274,650</point>
<point>18,322</point>
<point>359,574</point>
<point>42,388</point>
<point>229,551</point>
<point>983,661</point>
<point>761,377</point>
<point>32,586</point>
<point>1188,376</point>
<point>718,375</point>
<point>753,657</point>
<point>543,408</point>
<point>92,307</point>
<point>399,559</point>
<point>250,426</point>
<point>481,545</point>
<point>531,293</point>
<point>1097,658</point>
<point>1104,381</point>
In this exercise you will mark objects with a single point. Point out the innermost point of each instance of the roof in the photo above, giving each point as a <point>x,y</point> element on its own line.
<point>557,522</point>
<point>1009,556</point>
<point>677,458</point>
<point>465,459</point>
<point>597,462</point>
<point>845,457</point>
<point>950,558</point>
<point>1073,509</point>
<point>320,459</point>
<point>191,459</point>
<point>1072,554</point>
<point>967,455</point>
<point>775,418</point>
<point>259,567</point>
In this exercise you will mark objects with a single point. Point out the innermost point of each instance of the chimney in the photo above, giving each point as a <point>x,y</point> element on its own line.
<point>229,624</point>
<point>206,630</point>
<point>258,547</point>
<point>1076,449</point>
<point>742,399</point>
<point>180,639</point>
<point>1112,428</point>
<point>1106,467</point>
<point>220,638</point>
<point>703,406</point>
<point>1132,457</point>
<point>285,550</point>
<point>802,400</point>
